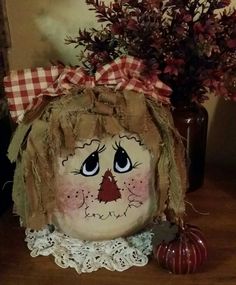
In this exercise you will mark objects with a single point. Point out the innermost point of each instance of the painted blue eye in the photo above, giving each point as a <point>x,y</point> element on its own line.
<point>122,162</point>
<point>90,166</point>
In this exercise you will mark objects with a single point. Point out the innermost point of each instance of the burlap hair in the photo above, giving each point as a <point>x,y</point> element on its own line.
<point>84,114</point>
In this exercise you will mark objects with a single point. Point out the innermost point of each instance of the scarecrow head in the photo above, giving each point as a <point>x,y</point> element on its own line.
<point>98,164</point>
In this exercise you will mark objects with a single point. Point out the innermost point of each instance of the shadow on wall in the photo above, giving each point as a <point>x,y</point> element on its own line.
<point>221,148</point>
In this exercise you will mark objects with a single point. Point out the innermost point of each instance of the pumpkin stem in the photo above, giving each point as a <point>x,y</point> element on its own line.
<point>181,224</point>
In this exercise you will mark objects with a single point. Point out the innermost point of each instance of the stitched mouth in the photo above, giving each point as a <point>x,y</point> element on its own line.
<point>132,203</point>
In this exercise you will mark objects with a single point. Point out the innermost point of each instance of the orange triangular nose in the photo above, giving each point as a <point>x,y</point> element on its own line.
<point>108,191</point>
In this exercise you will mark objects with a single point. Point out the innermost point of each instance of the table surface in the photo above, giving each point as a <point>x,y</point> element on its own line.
<point>217,197</point>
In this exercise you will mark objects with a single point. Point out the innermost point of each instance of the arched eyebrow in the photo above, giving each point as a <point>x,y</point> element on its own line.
<point>88,144</point>
<point>132,138</point>
<point>81,147</point>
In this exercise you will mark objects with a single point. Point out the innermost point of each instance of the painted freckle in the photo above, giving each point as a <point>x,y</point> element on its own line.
<point>68,196</point>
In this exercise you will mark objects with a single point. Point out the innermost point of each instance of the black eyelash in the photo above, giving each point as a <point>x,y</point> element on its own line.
<point>136,164</point>
<point>76,172</point>
<point>116,146</point>
<point>99,150</point>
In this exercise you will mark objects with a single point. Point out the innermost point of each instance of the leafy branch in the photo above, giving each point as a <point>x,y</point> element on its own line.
<point>189,45</point>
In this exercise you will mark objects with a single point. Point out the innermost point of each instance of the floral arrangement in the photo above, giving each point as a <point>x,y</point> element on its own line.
<point>190,44</point>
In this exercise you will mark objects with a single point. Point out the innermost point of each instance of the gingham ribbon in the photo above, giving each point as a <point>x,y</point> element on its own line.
<point>25,89</point>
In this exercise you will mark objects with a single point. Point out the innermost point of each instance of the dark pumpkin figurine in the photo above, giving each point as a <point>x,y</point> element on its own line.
<point>181,249</point>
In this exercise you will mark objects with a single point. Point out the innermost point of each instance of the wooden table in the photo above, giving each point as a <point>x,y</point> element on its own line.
<point>216,197</point>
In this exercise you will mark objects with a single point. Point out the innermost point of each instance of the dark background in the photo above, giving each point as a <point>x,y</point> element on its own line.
<point>6,168</point>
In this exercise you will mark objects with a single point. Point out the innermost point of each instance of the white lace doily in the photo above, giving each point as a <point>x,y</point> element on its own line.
<point>87,256</point>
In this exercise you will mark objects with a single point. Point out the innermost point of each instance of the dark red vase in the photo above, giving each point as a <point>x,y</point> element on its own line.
<point>191,120</point>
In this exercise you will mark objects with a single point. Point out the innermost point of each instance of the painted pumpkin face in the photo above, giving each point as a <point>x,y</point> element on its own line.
<point>99,164</point>
<point>105,189</point>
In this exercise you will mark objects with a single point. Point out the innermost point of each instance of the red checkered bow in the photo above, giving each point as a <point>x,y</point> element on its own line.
<point>25,89</point>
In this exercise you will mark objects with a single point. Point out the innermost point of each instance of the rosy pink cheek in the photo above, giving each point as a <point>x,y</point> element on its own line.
<point>139,185</point>
<point>70,197</point>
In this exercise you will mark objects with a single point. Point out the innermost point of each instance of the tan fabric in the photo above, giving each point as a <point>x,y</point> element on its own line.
<point>173,199</point>
<point>85,114</point>
<point>136,111</point>
<point>17,143</point>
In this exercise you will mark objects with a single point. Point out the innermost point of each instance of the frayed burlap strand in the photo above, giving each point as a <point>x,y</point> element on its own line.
<point>17,142</point>
<point>19,194</point>
<point>172,169</point>
<point>85,114</point>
